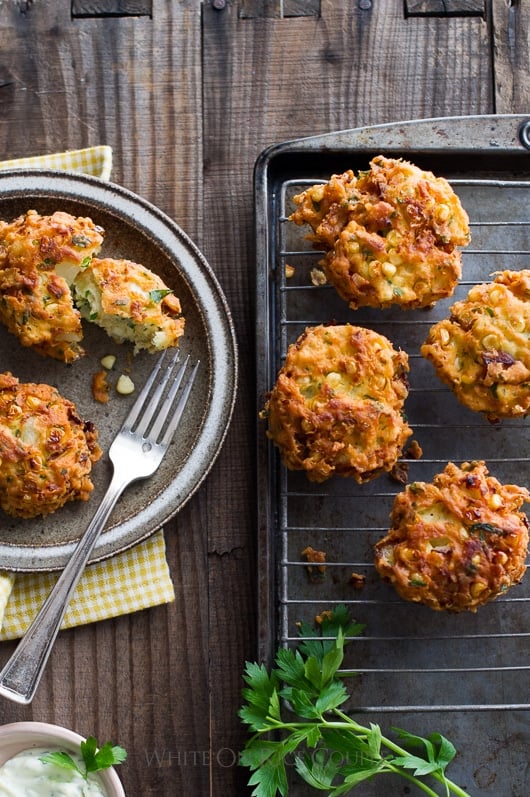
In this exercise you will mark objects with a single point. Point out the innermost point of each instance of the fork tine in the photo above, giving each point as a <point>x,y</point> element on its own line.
<point>179,409</point>
<point>150,408</point>
<point>164,411</point>
<point>134,412</point>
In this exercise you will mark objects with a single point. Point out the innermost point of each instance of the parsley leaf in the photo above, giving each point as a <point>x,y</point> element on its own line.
<point>94,758</point>
<point>293,712</point>
<point>156,296</point>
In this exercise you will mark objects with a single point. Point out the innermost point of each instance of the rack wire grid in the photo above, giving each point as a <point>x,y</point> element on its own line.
<point>409,658</point>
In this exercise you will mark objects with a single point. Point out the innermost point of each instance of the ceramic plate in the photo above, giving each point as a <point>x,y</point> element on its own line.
<point>136,230</point>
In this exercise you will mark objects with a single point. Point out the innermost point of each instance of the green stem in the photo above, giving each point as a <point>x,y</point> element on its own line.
<point>350,724</point>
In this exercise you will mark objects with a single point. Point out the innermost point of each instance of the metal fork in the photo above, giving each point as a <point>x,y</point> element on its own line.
<point>135,453</point>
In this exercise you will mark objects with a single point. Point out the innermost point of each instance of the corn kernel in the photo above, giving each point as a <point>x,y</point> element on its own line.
<point>393,237</point>
<point>124,385</point>
<point>333,379</point>
<point>490,341</point>
<point>518,324</point>
<point>395,258</point>
<point>444,337</point>
<point>496,295</point>
<point>34,402</point>
<point>388,269</point>
<point>108,361</point>
<point>289,271</point>
<point>500,558</point>
<point>477,588</point>
<point>495,501</point>
<point>374,268</point>
<point>442,213</point>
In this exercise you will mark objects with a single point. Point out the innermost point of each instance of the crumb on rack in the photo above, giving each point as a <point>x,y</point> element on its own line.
<point>414,450</point>
<point>357,580</point>
<point>289,271</point>
<point>316,567</point>
<point>318,277</point>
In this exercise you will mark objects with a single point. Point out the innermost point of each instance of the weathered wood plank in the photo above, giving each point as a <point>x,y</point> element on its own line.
<point>111,8</point>
<point>510,26</point>
<point>267,80</point>
<point>133,83</point>
<point>445,8</point>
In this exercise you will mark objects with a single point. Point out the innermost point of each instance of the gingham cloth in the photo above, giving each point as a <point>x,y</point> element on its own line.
<point>135,579</point>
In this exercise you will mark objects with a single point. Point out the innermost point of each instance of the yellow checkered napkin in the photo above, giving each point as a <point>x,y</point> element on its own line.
<point>135,579</point>
<point>93,160</point>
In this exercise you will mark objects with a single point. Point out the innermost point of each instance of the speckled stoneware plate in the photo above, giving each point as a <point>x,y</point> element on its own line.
<point>136,230</point>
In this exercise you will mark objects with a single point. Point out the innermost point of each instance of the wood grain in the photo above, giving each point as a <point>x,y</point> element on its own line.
<point>188,98</point>
<point>510,26</point>
<point>445,8</point>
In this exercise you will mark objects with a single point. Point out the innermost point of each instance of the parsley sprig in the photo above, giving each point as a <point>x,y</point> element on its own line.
<point>94,758</point>
<point>293,712</point>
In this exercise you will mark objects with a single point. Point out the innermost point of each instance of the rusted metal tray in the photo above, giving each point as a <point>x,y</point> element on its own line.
<point>467,676</point>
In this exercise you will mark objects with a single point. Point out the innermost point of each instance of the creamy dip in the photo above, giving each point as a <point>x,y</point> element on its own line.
<point>25,775</point>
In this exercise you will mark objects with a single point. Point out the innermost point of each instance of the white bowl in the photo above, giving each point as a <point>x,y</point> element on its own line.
<point>19,736</point>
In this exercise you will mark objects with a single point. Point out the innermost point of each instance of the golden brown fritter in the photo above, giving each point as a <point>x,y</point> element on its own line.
<point>336,407</point>
<point>457,543</point>
<point>129,302</point>
<point>46,450</point>
<point>61,242</point>
<point>325,207</point>
<point>482,350</point>
<point>391,234</point>
<point>36,306</point>
<point>39,255</point>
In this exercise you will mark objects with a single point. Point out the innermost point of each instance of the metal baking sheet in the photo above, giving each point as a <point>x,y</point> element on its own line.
<point>473,670</point>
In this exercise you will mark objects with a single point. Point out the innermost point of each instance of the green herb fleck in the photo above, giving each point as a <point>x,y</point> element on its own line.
<point>158,295</point>
<point>485,528</point>
<point>80,240</point>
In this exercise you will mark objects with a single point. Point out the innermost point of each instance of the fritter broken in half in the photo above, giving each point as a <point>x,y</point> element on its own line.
<point>391,234</point>
<point>39,256</point>
<point>129,302</point>
<point>456,543</point>
<point>336,407</point>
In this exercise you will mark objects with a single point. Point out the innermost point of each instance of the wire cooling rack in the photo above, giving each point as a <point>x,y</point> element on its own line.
<point>409,657</point>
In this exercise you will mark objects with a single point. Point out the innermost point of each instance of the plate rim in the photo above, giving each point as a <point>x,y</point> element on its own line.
<point>79,187</point>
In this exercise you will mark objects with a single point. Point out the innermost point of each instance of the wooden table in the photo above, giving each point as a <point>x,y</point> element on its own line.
<point>188,93</point>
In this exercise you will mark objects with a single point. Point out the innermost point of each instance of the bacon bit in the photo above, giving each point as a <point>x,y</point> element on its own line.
<point>171,304</point>
<point>100,387</point>
<point>400,473</point>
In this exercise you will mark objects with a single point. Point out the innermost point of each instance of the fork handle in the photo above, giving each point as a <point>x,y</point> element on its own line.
<point>21,675</point>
